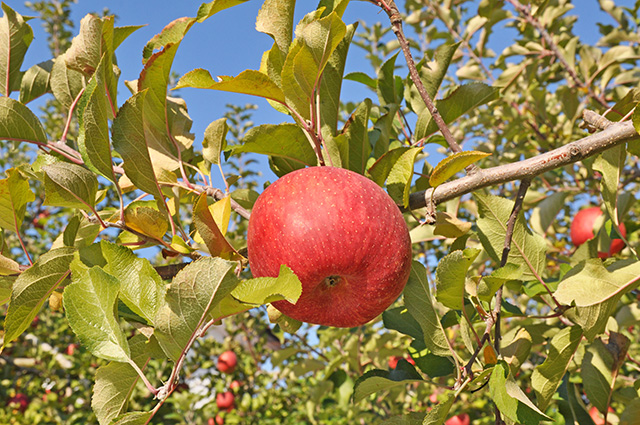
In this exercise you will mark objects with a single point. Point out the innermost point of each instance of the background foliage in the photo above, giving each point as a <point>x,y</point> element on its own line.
<point>78,194</point>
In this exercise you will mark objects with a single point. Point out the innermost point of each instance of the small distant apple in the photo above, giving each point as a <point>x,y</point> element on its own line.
<point>393,361</point>
<point>227,362</point>
<point>71,349</point>
<point>225,400</point>
<point>582,229</point>
<point>343,237</point>
<point>235,385</point>
<point>596,416</point>
<point>461,419</point>
<point>219,420</point>
<point>21,400</point>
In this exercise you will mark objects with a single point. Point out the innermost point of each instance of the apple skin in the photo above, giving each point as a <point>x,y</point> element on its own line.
<point>596,416</point>
<point>582,230</point>
<point>225,400</point>
<point>462,419</point>
<point>393,361</point>
<point>21,400</point>
<point>341,234</point>
<point>219,420</point>
<point>227,362</point>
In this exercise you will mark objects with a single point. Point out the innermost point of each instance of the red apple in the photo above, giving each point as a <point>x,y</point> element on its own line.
<point>393,361</point>
<point>235,385</point>
<point>225,400</point>
<point>582,230</point>
<point>227,362</point>
<point>596,416</point>
<point>462,419</point>
<point>341,234</point>
<point>219,420</point>
<point>20,402</point>
<point>71,349</point>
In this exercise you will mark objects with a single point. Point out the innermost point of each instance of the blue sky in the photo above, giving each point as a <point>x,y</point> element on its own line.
<point>228,43</point>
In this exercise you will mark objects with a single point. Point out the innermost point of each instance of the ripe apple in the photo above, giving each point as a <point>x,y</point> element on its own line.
<point>219,420</point>
<point>582,230</point>
<point>235,385</point>
<point>21,400</point>
<point>227,362</point>
<point>225,400</point>
<point>341,234</point>
<point>596,416</point>
<point>462,419</point>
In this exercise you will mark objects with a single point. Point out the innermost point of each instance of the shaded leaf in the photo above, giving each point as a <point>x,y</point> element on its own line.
<point>396,168</point>
<point>15,37</point>
<point>35,81</point>
<point>417,299</point>
<point>69,185</point>
<point>17,122</point>
<point>547,377</point>
<point>543,215</point>
<point>214,141</point>
<point>66,84</point>
<point>377,380</point>
<point>450,226</point>
<point>489,285</point>
<point>6,285</point>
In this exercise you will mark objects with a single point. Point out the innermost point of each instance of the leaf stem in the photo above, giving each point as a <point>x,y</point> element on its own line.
<point>63,139</point>
<point>140,373</point>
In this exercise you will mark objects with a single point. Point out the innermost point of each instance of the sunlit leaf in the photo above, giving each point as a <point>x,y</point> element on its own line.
<point>17,122</point>
<point>453,164</point>
<point>15,37</point>
<point>35,81</point>
<point>69,185</point>
<point>15,194</point>
<point>451,275</point>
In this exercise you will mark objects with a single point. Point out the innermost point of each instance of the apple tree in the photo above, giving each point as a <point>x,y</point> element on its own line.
<point>123,242</point>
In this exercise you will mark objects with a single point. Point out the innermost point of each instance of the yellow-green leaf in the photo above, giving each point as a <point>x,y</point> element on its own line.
<point>452,164</point>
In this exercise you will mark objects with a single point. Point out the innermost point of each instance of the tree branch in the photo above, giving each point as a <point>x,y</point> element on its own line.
<point>529,168</point>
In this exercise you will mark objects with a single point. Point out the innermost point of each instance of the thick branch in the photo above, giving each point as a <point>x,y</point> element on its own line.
<point>529,168</point>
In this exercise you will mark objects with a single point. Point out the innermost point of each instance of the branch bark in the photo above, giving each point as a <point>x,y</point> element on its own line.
<point>529,168</point>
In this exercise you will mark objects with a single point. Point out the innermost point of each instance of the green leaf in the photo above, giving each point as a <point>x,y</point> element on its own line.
<point>361,77</point>
<point>66,84</point>
<point>430,364</point>
<point>133,418</point>
<point>15,37</point>
<point>215,140</point>
<point>386,85</point>
<point>543,215</point>
<point>547,377</point>
<point>132,145</point>
<point>396,168</point>
<point>207,10</point>
<point>331,83</point>
<point>399,319</point>
<point>432,74</point>
<point>489,285</point>
<point>252,293</point>
<point>207,228</point>
<point>6,285</point>
<point>286,141</point>
<point>86,48</point>
<point>35,81</point>
<point>609,163</point>
<point>596,290</point>
<point>90,306</point>
<point>439,413</point>
<point>250,82</point>
<point>69,185</point>
<point>453,164</point>
<point>527,249</point>
<point>15,194</point>
<point>451,275</point>
<point>141,288</point>
<point>115,382</point>
<point>511,400</point>
<point>571,405</point>
<point>516,348</point>
<point>463,100</point>
<point>194,292</point>
<point>93,119</point>
<point>631,412</point>
<point>8,266</point>
<point>32,288</point>
<point>120,34</point>
<point>449,226</point>
<point>417,299</point>
<point>597,374</point>
<point>377,380</point>
<point>316,40</point>
<point>357,135</point>
<point>17,122</point>
<point>276,19</point>
<point>413,418</point>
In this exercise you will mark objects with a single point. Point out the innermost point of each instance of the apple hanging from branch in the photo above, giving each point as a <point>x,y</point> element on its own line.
<point>227,362</point>
<point>341,234</point>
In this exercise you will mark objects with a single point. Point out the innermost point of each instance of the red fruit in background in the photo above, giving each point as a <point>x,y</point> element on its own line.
<point>71,349</point>
<point>462,419</point>
<point>225,400</point>
<point>596,416</point>
<point>227,362</point>
<point>219,420</point>
<point>341,234</point>
<point>235,385</point>
<point>582,230</point>
<point>19,401</point>
<point>393,361</point>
